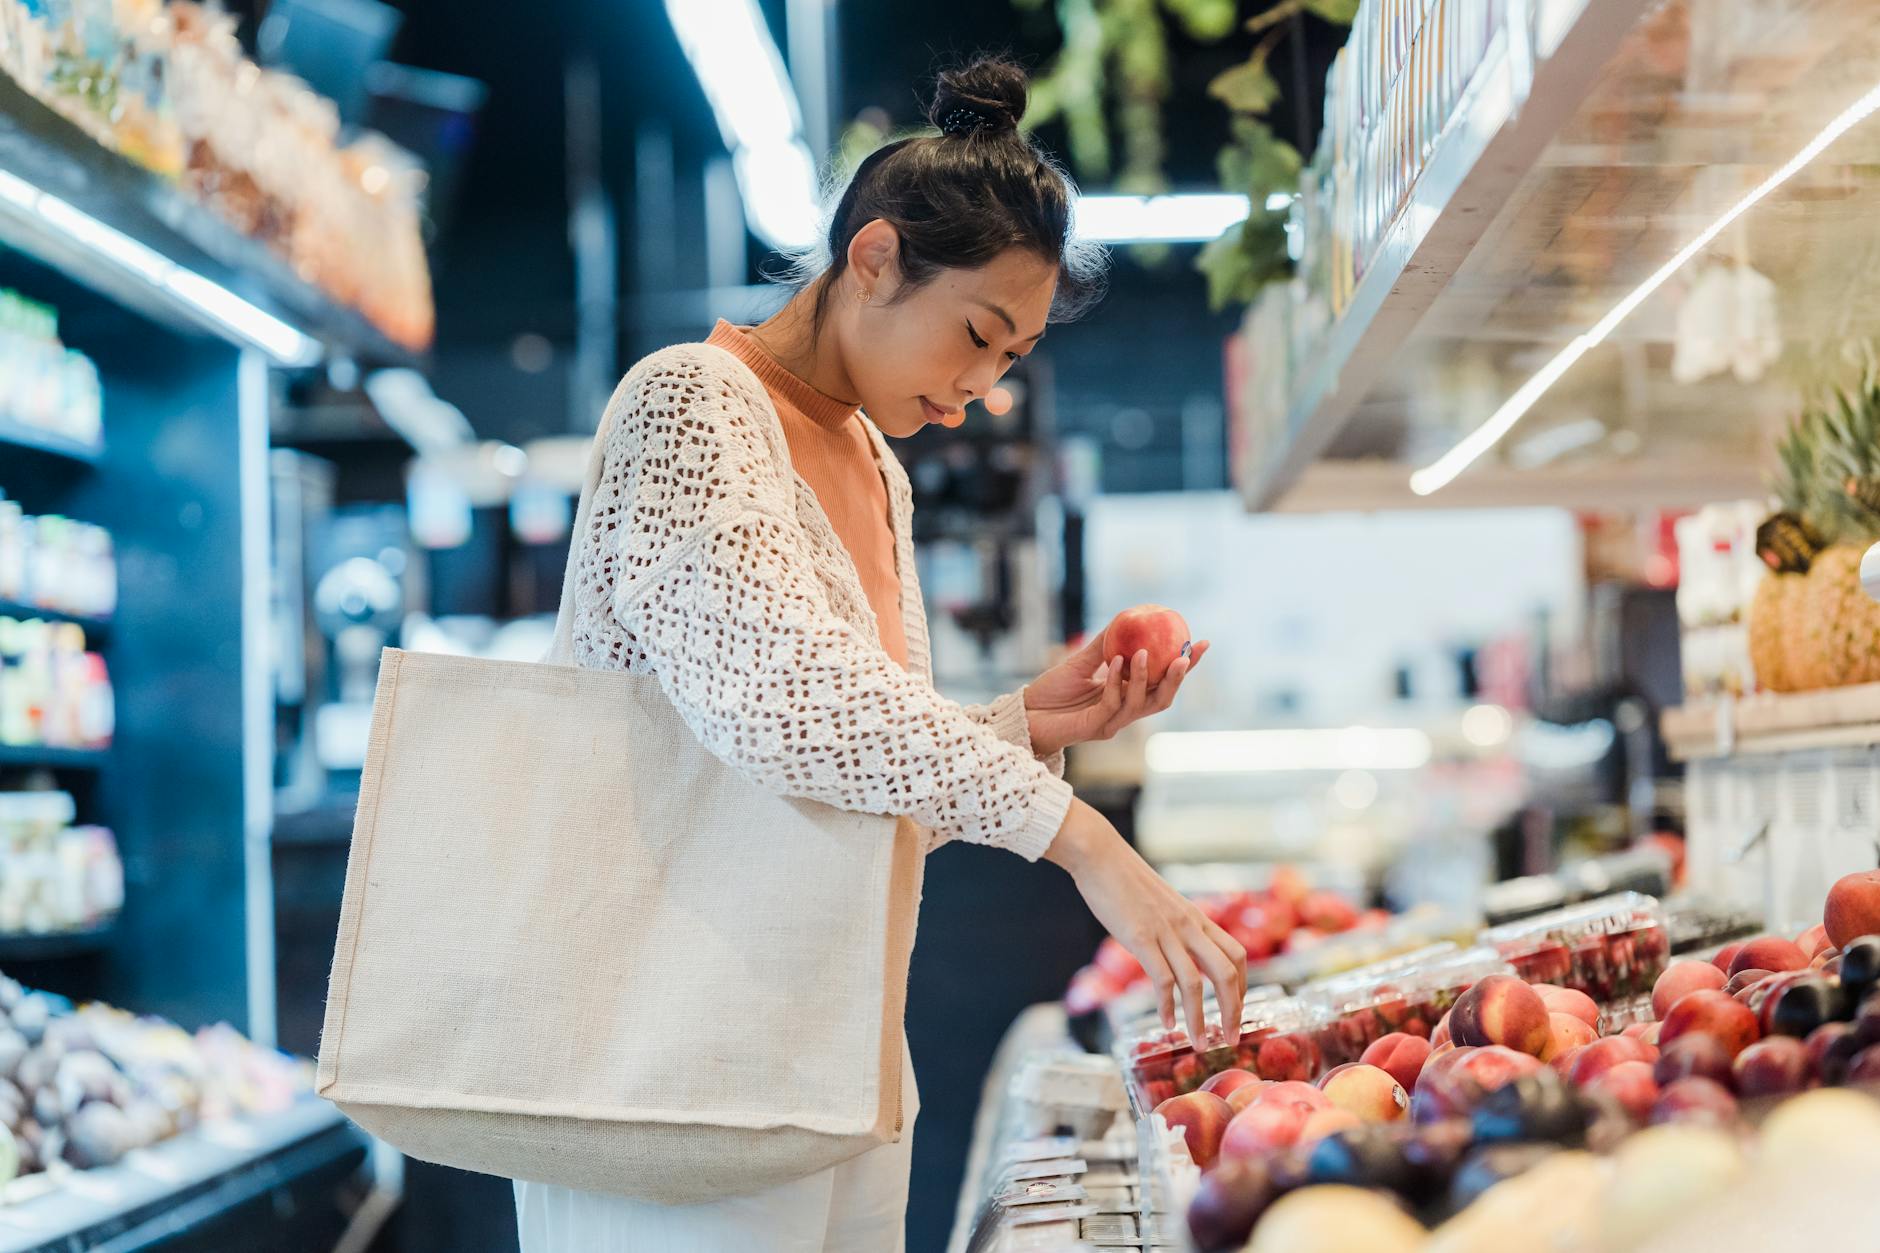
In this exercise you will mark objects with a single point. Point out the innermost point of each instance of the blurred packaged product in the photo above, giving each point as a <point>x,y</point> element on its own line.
<point>53,693</point>
<point>54,876</point>
<point>1719,572</point>
<point>44,384</point>
<point>55,563</point>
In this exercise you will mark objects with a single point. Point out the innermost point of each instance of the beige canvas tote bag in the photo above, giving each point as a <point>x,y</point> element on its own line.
<point>577,948</point>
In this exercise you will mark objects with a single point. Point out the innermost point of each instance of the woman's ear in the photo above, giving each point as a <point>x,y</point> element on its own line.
<point>874,259</point>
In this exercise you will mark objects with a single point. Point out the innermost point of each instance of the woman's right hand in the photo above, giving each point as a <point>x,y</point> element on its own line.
<point>1175,942</point>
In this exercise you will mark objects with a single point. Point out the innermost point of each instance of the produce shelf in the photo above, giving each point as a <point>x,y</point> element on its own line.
<point>155,223</point>
<point>52,758</point>
<point>17,435</point>
<point>53,945</point>
<point>95,628</point>
<point>157,1195</point>
<point>1842,717</point>
<point>1510,113</point>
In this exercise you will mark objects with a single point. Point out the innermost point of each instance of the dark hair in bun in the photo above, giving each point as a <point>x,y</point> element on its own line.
<point>961,197</point>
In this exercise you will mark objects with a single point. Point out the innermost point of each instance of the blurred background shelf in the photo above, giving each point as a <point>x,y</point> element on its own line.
<point>1845,717</point>
<point>95,628</point>
<point>15,755</point>
<point>17,436</point>
<point>55,945</point>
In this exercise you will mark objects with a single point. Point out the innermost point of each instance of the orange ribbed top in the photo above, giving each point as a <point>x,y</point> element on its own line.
<point>833,453</point>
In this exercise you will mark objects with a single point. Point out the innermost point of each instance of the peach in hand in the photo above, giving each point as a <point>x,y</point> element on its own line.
<point>1156,629</point>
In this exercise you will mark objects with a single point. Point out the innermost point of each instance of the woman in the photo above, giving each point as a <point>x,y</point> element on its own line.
<point>750,547</point>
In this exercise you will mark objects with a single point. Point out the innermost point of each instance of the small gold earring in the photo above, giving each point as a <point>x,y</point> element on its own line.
<point>864,296</point>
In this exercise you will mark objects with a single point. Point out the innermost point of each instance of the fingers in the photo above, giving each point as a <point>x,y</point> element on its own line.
<point>1163,980</point>
<point>1112,689</point>
<point>1224,961</point>
<point>1164,694</point>
<point>1188,980</point>
<point>1196,653</point>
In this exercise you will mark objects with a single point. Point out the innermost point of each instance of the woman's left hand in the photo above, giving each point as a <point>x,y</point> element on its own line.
<point>1086,697</point>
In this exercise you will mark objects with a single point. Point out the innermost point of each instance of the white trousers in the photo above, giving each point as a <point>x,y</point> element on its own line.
<point>859,1206</point>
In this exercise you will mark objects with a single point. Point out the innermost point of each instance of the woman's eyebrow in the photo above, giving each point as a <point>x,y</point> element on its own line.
<point>1007,318</point>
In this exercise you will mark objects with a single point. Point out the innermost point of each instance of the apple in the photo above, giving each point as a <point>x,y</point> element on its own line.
<point>1155,628</point>
<point>1203,1118</point>
<point>1853,907</point>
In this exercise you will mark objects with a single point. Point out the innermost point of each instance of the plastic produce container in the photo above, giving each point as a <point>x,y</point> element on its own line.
<point>1611,949</point>
<point>1276,1042</point>
<point>1409,994</point>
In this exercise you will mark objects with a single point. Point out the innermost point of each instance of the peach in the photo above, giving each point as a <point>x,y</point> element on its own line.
<point>1246,1094</point>
<point>1715,1014</point>
<point>1564,1063</point>
<point>1293,1092</point>
<point>1227,1082</point>
<point>1327,1122</point>
<point>1725,956</point>
<point>1746,979</point>
<point>1440,1036</point>
<point>1399,1055</point>
<point>1769,952</point>
<point>1631,1085</point>
<point>1492,1066</point>
<point>1694,1099</point>
<point>1369,1092</point>
<point>1682,977</point>
<point>1328,911</point>
<point>1830,1047</point>
<point>1569,1001</point>
<point>1853,907</point>
<point>1814,940</point>
<point>1777,1066</point>
<point>1567,1032</point>
<point>1203,1118</point>
<point>1602,1055</point>
<point>1260,1129</point>
<point>1501,1009</point>
<point>1695,1055</point>
<point>1155,628</point>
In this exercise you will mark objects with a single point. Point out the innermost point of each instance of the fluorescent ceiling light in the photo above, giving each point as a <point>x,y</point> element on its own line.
<point>1443,471</point>
<point>1159,219</point>
<point>211,301</point>
<point>1265,752</point>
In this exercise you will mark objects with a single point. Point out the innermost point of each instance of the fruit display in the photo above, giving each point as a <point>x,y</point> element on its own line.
<point>1810,623</point>
<point>81,1087</point>
<point>169,87</point>
<point>1611,949</point>
<point>1407,995</point>
<point>1276,1044</point>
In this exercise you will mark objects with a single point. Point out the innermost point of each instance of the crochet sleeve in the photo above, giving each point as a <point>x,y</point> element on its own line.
<point>713,579</point>
<point>1006,718</point>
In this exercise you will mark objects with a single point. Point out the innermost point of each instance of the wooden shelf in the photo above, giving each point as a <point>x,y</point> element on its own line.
<point>18,435</point>
<point>1773,722</point>
<point>29,756</point>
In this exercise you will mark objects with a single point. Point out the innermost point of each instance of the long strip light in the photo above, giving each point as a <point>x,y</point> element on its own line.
<point>1441,472</point>
<point>1265,752</point>
<point>744,78</point>
<point>210,300</point>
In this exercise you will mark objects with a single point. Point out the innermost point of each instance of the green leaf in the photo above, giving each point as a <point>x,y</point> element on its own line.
<point>1206,21</point>
<point>1343,12</point>
<point>1248,87</point>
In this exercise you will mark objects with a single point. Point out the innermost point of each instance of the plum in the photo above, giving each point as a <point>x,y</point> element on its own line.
<point>1804,1005</point>
<point>1831,1046</point>
<point>1860,965</point>
<point>1777,1066</point>
<point>1539,1106</point>
<point>1489,1165</point>
<point>1228,1203</point>
<point>1365,1157</point>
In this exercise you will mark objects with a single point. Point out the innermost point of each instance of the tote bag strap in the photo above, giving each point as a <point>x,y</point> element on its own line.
<point>561,647</point>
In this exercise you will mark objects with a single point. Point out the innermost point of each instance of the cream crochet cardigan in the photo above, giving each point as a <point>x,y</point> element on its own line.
<point>709,563</point>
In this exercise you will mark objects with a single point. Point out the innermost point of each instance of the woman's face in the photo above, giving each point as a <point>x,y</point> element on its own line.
<point>922,357</point>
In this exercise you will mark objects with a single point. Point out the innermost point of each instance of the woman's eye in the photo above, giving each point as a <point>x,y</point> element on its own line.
<point>977,342</point>
<point>1012,357</point>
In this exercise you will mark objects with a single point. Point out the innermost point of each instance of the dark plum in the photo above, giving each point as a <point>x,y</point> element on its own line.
<point>1805,1005</point>
<point>1364,1157</point>
<point>1860,965</point>
<point>1228,1203</point>
<point>1539,1106</point>
<point>1488,1166</point>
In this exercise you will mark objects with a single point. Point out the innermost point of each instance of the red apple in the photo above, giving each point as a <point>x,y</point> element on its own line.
<point>1203,1118</point>
<point>1769,952</point>
<point>1400,1055</point>
<point>1156,628</point>
<point>1682,977</point>
<point>1853,908</point>
<point>1569,1001</point>
<point>1717,1014</point>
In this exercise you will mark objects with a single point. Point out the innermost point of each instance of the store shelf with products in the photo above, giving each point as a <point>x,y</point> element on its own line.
<point>1550,320</point>
<point>30,756</point>
<point>20,437</point>
<point>1775,722</point>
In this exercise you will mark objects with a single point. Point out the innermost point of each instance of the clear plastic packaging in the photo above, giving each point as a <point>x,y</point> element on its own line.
<point>1275,1043</point>
<point>1409,994</point>
<point>1337,954</point>
<point>1077,1091</point>
<point>1611,949</point>
<point>1696,924</point>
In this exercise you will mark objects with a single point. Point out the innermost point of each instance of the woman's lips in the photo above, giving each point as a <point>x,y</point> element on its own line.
<point>934,413</point>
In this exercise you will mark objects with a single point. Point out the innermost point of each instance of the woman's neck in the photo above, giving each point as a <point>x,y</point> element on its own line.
<point>790,336</point>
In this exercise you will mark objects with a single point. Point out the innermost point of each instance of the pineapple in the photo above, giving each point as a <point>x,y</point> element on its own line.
<point>1787,543</point>
<point>1843,622</point>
